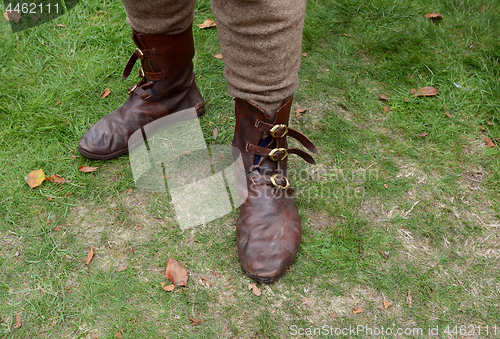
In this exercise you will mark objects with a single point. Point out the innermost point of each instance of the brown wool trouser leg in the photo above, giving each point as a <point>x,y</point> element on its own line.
<point>260,41</point>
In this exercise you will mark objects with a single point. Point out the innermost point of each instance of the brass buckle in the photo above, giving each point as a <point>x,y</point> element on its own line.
<point>141,55</point>
<point>275,128</point>
<point>273,181</point>
<point>141,72</point>
<point>276,150</point>
<point>132,89</point>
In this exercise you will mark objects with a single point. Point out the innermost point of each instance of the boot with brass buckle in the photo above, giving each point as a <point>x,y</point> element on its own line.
<point>268,229</point>
<point>167,86</point>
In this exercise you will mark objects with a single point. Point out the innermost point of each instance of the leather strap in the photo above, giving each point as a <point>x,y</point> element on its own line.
<point>280,155</point>
<point>280,133</point>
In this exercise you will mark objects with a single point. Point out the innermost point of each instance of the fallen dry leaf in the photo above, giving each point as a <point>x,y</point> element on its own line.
<point>357,310</point>
<point>218,56</point>
<point>18,321</point>
<point>206,282</point>
<point>106,92</point>
<point>35,178</point>
<point>409,300</point>
<point>61,25</point>
<point>386,305</point>
<point>385,185</point>
<point>168,288</point>
<point>57,179</point>
<point>384,254</point>
<point>122,269</point>
<point>423,135</point>
<point>386,109</point>
<point>90,255</point>
<point>12,16</point>
<point>215,133</point>
<point>195,322</point>
<point>433,16</point>
<point>307,301</point>
<point>300,110</point>
<point>489,123</point>
<point>255,289</point>
<point>304,54</point>
<point>86,169</point>
<point>489,142</point>
<point>217,274</point>
<point>406,100</point>
<point>448,114</point>
<point>424,91</point>
<point>207,24</point>
<point>118,335</point>
<point>383,97</point>
<point>176,273</point>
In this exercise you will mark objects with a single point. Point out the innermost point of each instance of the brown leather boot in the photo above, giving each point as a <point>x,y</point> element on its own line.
<point>167,86</point>
<point>268,230</point>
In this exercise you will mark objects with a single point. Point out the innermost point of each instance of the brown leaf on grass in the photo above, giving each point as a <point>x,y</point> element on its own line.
<point>300,110</point>
<point>106,92</point>
<point>18,321</point>
<point>304,54</point>
<point>334,316</point>
<point>57,179</point>
<point>406,100</point>
<point>12,16</point>
<point>489,142</point>
<point>434,16</point>
<point>357,310</point>
<point>35,178</point>
<point>118,335</point>
<point>424,91</point>
<point>386,109</point>
<point>448,114</point>
<point>194,321</point>
<point>409,300</point>
<point>217,274</point>
<point>168,288</point>
<point>86,169</point>
<point>61,25</point>
<point>90,255</point>
<point>383,97</point>
<point>423,135</point>
<point>386,305</point>
<point>384,254</point>
<point>122,269</point>
<point>207,24</point>
<point>206,282</point>
<point>73,156</point>
<point>176,273</point>
<point>307,301</point>
<point>215,133</point>
<point>255,289</point>
<point>218,56</point>
<point>489,123</point>
<point>385,185</point>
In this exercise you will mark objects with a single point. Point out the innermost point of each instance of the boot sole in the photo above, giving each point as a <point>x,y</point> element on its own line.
<point>199,111</point>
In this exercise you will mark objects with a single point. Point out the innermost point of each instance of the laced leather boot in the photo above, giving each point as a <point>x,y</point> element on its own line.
<point>268,229</point>
<point>167,86</point>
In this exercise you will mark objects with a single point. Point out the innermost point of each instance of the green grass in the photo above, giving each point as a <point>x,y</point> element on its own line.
<point>437,218</point>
